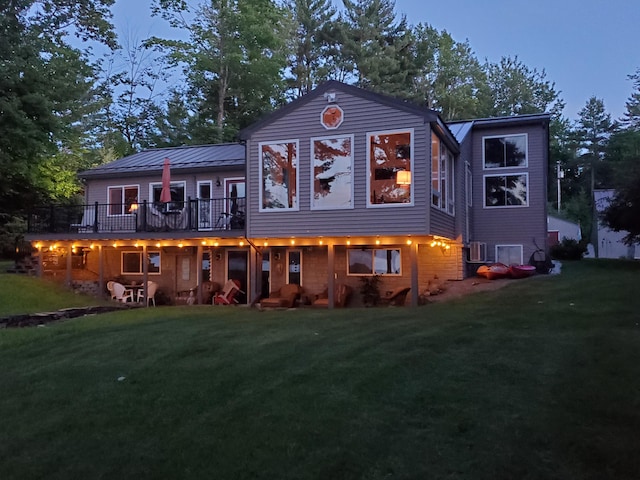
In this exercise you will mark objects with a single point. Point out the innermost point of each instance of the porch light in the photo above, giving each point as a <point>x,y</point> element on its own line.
<point>204,242</point>
<point>180,245</point>
<point>265,244</point>
<point>241,244</point>
<point>92,246</point>
<point>158,245</point>
<point>38,246</point>
<point>320,242</point>
<point>348,242</point>
<point>377,242</point>
<point>215,244</point>
<point>409,242</point>
<point>115,244</point>
<point>133,208</point>
<point>293,242</point>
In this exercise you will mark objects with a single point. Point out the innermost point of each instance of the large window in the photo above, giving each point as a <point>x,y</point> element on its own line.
<point>505,151</point>
<point>509,254</point>
<point>121,198</point>
<point>378,261</point>
<point>442,176</point>
<point>332,178</point>
<point>506,190</point>
<point>278,175</point>
<point>132,263</point>
<point>178,196</point>
<point>389,157</point>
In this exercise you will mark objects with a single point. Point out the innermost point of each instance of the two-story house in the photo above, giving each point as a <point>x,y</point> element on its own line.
<point>338,185</point>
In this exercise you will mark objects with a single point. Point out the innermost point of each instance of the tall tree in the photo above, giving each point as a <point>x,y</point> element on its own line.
<point>623,213</point>
<point>450,78</point>
<point>232,61</point>
<point>311,44</point>
<point>45,89</point>
<point>515,89</point>
<point>631,118</point>
<point>378,46</point>
<point>593,129</point>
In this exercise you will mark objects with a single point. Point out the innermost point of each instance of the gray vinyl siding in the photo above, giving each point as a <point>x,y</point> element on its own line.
<point>96,189</point>
<point>361,116</point>
<point>442,223</point>
<point>512,225</point>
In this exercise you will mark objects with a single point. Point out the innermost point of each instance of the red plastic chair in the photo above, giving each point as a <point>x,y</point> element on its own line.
<point>228,294</point>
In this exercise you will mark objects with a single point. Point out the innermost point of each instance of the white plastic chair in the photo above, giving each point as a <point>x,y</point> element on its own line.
<point>121,294</point>
<point>151,293</point>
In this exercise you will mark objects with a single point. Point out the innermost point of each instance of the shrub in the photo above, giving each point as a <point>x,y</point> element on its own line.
<point>568,249</point>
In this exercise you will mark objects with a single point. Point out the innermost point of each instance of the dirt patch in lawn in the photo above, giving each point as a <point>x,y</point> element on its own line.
<point>451,289</point>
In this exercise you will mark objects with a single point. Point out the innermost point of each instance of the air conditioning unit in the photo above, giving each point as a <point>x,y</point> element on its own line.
<point>477,252</point>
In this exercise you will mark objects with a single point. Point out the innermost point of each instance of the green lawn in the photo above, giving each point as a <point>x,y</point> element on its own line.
<point>540,380</point>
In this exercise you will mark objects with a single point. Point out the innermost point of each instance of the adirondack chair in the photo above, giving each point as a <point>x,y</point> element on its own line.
<point>228,293</point>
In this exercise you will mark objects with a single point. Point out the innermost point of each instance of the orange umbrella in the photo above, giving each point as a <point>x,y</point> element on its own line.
<point>165,194</point>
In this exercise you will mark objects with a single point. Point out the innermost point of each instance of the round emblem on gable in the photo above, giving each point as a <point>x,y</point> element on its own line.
<point>331,117</point>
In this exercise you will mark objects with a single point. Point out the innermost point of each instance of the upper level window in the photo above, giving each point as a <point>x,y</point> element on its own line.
<point>506,190</point>
<point>178,196</point>
<point>505,151</point>
<point>121,199</point>
<point>389,158</point>
<point>332,176</point>
<point>442,176</point>
<point>278,175</point>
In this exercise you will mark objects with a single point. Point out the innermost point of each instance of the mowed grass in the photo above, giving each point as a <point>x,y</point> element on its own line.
<point>539,380</point>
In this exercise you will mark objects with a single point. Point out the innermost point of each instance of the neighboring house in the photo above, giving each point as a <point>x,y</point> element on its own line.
<point>338,185</point>
<point>558,229</point>
<point>610,243</point>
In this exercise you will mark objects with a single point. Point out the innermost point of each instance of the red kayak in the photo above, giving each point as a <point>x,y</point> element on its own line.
<point>521,271</point>
<point>493,271</point>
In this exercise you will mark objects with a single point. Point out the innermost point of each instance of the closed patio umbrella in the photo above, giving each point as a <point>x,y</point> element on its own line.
<point>165,194</point>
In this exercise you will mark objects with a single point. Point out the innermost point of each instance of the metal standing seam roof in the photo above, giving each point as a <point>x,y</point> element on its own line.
<point>222,155</point>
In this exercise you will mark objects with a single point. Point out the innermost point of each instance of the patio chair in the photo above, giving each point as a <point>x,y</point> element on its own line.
<point>341,296</point>
<point>151,293</point>
<point>228,293</point>
<point>120,293</point>
<point>86,225</point>
<point>395,297</point>
<point>190,296</point>
<point>285,297</point>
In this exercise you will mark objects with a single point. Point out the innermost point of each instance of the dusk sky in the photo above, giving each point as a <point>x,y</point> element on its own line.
<point>587,47</point>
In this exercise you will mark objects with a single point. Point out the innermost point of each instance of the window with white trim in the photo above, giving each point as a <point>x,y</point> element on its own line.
<point>505,151</point>
<point>390,167</point>
<point>121,198</point>
<point>374,261</point>
<point>278,175</point>
<point>332,172</point>
<point>178,196</point>
<point>506,190</point>
<point>442,176</point>
<point>131,263</point>
<point>509,254</point>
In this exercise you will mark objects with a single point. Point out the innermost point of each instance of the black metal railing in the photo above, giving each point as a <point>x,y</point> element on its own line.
<point>192,215</point>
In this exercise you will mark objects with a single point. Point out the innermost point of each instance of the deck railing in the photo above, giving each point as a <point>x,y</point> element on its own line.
<point>193,215</point>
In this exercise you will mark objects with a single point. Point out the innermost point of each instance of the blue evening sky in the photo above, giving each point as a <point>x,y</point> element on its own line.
<point>587,47</point>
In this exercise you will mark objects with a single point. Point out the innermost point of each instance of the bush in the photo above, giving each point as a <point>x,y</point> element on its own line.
<point>568,249</point>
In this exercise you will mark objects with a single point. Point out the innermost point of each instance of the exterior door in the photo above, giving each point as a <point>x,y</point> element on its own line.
<point>235,198</point>
<point>204,205</point>
<point>238,269</point>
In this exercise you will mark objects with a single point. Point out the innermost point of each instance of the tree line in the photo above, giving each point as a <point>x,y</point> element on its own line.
<point>65,109</point>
